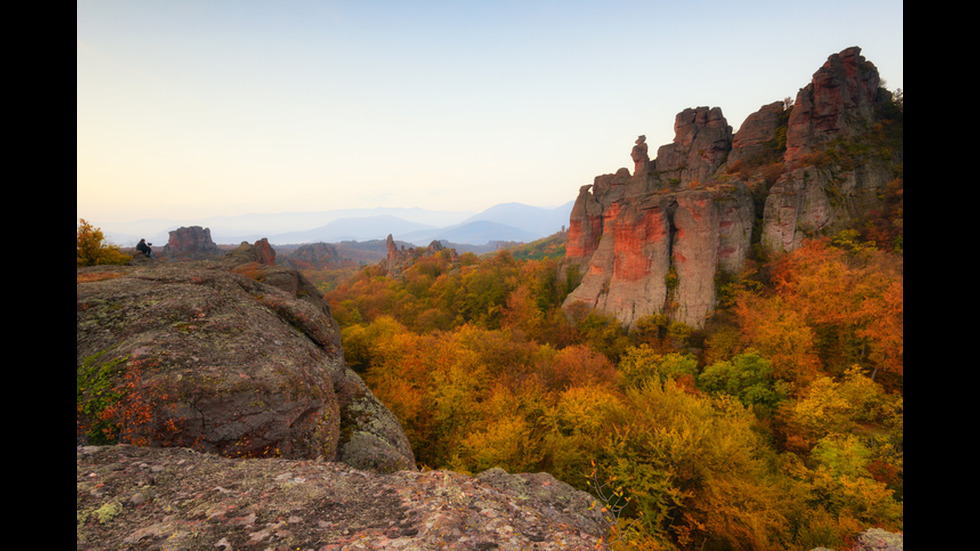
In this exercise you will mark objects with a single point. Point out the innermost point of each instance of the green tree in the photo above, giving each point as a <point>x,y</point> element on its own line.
<point>842,455</point>
<point>747,377</point>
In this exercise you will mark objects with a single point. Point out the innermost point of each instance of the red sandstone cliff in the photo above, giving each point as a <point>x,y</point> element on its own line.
<point>653,241</point>
<point>817,194</point>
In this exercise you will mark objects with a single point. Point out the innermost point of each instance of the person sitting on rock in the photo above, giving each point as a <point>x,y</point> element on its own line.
<point>144,248</point>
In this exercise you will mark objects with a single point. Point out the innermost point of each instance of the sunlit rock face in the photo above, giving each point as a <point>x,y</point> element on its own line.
<point>712,232</point>
<point>817,194</point>
<point>625,270</point>
<point>654,241</point>
<point>839,102</point>
<point>650,242</point>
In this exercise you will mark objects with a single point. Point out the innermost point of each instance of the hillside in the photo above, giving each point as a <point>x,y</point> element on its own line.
<point>709,356</point>
<point>761,409</point>
<point>216,391</point>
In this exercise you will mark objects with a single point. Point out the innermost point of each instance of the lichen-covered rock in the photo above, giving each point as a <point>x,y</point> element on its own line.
<point>130,498</point>
<point>193,354</point>
<point>876,539</point>
<point>873,539</point>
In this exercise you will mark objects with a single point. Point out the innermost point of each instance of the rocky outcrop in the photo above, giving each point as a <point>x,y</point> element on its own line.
<point>754,141</point>
<point>873,539</point>
<point>150,498</point>
<point>261,252</point>
<point>817,193</point>
<point>192,242</point>
<point>876,539</point>
<point>702,140</point>
<point>313,256</point>
<point>840,101</point>
<point>653,242</point>
<point>235,359</point>
<point>400,258</point>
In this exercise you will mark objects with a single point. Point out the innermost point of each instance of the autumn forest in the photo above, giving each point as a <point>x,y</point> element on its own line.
<point>779,425</point>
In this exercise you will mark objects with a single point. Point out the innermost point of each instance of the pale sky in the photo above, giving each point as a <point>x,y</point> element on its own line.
<point>195,108</point>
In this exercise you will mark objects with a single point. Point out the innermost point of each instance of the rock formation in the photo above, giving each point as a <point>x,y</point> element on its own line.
<point>253,433</point>
<point>702,140</point>
<point>839,102</point>
<point>816,195</point>
<point>192,242</point>
<point>399,258</point>
<point>313,256</point>
<point>227,358</point>
<point>261,252</point>
<point>641,159</point>
<point>653,242</point>
<point>153,498</point>
<point>633,236</point>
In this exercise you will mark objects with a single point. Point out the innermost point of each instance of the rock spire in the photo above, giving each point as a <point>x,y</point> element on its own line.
<point>652,242</point>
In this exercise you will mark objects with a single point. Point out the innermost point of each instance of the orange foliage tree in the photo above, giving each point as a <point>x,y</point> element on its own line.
<point>833,304</point>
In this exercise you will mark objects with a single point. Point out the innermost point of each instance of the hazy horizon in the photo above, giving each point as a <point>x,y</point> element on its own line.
<point>346,224</point>
<point>190,110</point>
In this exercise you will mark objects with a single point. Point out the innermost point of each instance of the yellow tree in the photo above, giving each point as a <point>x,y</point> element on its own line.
<point>92,249</point>
<point>692,469</point>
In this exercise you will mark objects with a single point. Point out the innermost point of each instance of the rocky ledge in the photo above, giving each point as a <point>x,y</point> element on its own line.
<point>174,498</point>
<point>239,358</point>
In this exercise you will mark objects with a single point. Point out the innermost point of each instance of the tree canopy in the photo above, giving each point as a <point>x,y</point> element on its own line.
<point>778,426</point>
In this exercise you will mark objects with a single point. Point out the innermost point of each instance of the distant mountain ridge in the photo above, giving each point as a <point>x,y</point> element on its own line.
<point>503,222</point>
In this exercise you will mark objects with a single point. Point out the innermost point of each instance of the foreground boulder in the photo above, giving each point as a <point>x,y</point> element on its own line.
<point>874,539</point>
<point>241,360</point>
<point>152,498</point>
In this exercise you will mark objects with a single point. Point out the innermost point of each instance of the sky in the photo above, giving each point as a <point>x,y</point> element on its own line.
<point>188,109</point>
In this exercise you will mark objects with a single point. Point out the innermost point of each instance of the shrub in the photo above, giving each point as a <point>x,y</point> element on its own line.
<point>92,249</point>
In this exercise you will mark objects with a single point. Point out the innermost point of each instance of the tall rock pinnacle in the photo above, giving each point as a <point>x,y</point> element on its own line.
<point>653,242</point>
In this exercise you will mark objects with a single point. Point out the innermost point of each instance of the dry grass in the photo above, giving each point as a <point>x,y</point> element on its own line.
<point>89,277</point>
